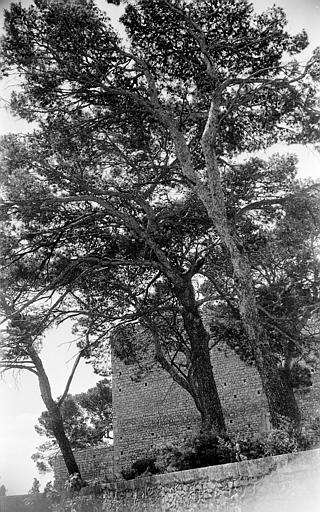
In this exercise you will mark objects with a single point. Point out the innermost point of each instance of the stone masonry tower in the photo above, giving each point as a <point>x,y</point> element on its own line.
<point>156,410</point>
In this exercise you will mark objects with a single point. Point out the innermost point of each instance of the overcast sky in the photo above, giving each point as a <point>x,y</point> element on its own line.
<point>21,403</point>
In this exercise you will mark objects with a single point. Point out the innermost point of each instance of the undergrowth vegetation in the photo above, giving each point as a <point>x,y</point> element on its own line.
<point>211,450</point>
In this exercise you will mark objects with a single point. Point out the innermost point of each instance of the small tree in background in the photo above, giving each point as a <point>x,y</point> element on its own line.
<point>20,346</point>
<point>87,419</point>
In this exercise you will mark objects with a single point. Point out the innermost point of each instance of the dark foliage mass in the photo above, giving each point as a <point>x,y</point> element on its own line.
<point>128,207</point>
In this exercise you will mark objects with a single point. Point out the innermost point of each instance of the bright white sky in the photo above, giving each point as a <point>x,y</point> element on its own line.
<point>21,403</point>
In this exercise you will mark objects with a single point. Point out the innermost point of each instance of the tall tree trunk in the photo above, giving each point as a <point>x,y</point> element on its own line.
<point>202,381</point>
<point>201,384</point>
<point>279,393</point>
<point>55,414</point>
<point>280,396</point>
<point>62,440</point>
<point>277,388</point>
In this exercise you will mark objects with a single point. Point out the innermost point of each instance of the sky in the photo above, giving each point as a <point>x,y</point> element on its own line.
<point>20,399</point>
<point>21,405</point>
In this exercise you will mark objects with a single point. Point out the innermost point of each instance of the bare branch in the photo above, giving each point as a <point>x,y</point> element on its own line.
<point>66,390</point>
<point>9,365</point>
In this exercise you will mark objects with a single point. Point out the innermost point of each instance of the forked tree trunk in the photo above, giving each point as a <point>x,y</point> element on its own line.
<point>46,395</point>
<point>55,415</point>
<point>202,383</point>
<point>280,396</point>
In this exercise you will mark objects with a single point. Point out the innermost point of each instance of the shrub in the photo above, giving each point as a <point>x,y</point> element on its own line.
<point>141,467</point>
<point>248,447</point>
<point>284,439</point>
<point>174,457</point>
<point>287,439</point>
<point>52,496</point>
<point>211,450</point>
<point>204,450</point>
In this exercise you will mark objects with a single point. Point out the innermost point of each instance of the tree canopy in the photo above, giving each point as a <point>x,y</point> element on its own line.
<point>130,186</point>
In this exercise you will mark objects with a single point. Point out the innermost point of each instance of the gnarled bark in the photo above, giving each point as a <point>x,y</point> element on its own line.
<point>279,393</point>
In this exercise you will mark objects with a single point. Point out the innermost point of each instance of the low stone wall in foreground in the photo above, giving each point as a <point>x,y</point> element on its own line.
<point>286,483</point>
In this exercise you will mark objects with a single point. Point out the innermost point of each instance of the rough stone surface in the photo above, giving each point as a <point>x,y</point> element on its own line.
<point>286,483</point>
<point>157,411</point>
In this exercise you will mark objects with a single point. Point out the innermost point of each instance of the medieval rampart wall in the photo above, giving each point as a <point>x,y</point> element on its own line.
<point>156,410</point>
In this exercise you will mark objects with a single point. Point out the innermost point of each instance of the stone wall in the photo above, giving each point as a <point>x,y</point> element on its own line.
<point>156,410</point>
<point>286,483</point>
<point>95,463</point>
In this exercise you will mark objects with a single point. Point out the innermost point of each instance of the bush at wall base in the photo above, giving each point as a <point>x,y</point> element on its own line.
<point>211,450</point>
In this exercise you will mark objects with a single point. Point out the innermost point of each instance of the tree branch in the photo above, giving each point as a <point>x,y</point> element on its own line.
<point>66,390</point>
<point>209,275</point>
<point>176,374</point>
<point>8,365</point>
